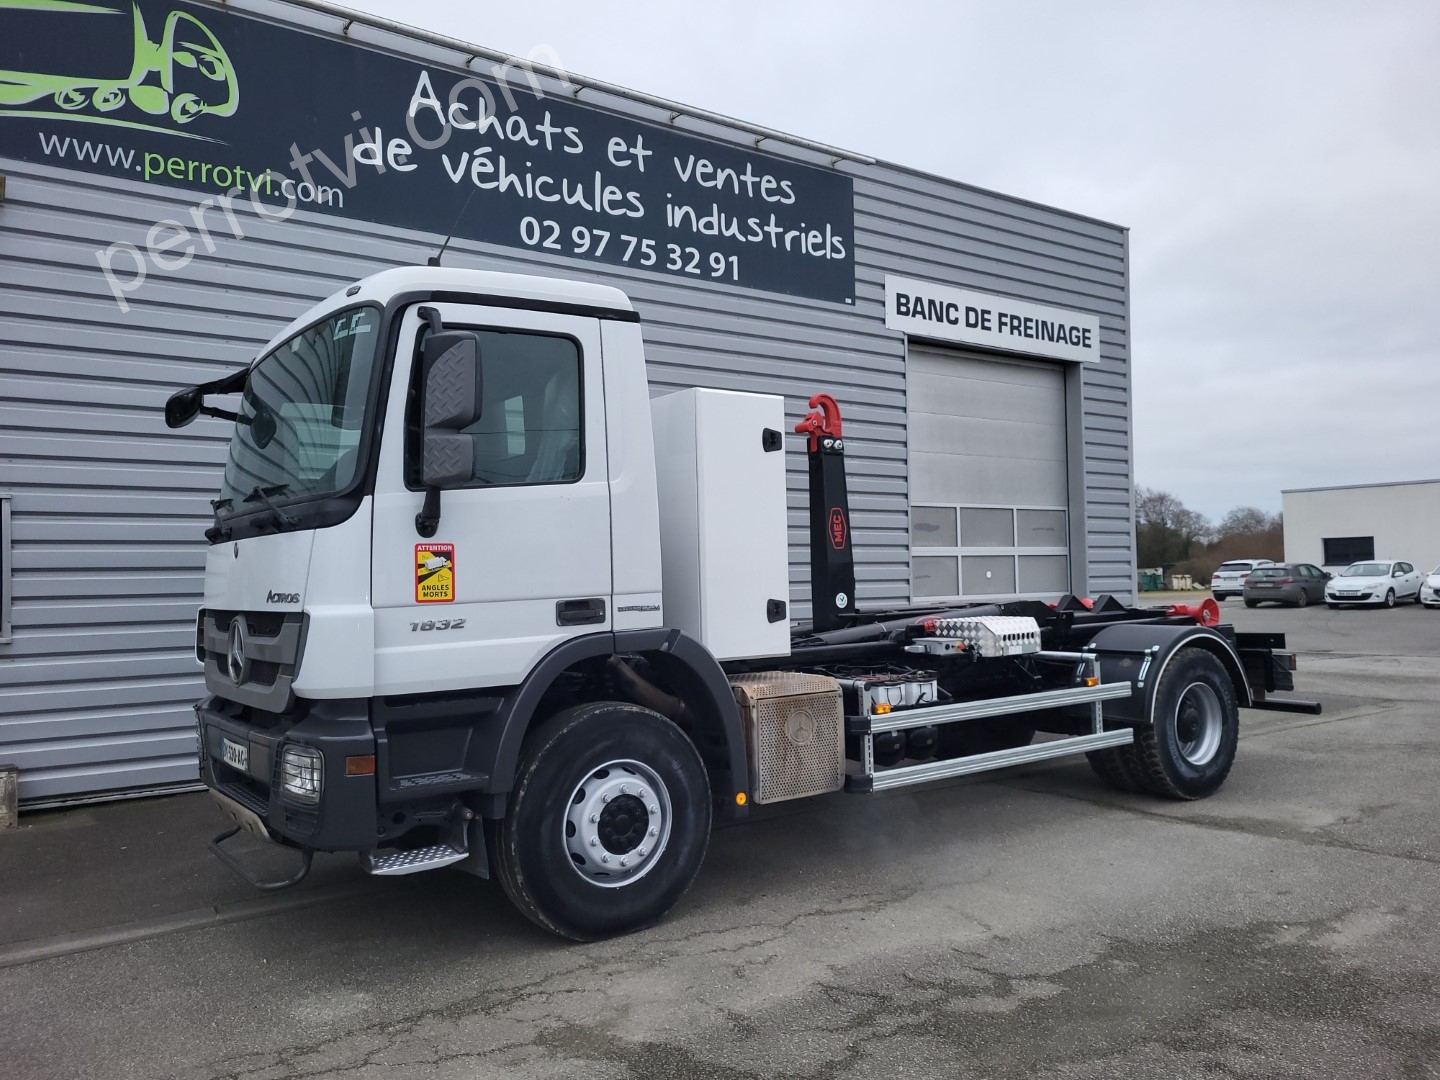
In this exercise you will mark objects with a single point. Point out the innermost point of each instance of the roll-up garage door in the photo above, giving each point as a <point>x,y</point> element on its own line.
<point>988,477</point>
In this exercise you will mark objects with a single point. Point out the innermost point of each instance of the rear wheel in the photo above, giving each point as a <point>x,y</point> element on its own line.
<point>1117,767</point>
<point>1252,603</point>
<point>608,822</point>
<point>1188,748</point>
<point>1304,598</point>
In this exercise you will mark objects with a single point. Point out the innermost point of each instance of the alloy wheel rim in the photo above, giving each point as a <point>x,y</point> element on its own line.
<point>617,823</point>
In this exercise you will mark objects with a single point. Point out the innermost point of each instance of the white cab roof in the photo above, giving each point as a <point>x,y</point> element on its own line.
<point>382,287</point>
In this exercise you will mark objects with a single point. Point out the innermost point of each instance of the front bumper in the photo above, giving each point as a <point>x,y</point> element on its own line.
<point>1363,598</point>
<point>344,819</point>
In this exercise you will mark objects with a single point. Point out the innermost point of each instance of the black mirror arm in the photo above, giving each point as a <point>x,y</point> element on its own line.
<point>428,519</point>
<point>223,414</point>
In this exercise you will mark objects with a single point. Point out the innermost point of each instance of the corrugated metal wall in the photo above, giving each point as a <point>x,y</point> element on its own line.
<point>109,505</point>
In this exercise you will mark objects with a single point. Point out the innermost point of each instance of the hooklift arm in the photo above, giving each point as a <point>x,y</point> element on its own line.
<point>832,560</point>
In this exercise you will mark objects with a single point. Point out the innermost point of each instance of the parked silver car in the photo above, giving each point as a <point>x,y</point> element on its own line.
<point>1375,582</point>
<point>1296,584</point>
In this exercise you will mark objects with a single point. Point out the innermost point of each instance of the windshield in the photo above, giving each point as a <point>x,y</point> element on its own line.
<point>302,414</point>
<point>1367,569</point>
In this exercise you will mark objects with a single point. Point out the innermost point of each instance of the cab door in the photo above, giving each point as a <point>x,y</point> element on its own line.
<point>521,560</point>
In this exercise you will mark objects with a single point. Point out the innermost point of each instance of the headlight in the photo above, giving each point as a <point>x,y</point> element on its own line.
<point>301,773</point>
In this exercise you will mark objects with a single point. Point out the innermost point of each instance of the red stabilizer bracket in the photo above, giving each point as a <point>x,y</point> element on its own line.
<point>824,421</point>
<point>1206,613</point>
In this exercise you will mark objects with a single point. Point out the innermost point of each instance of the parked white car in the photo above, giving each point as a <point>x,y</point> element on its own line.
<point>1229,577</point>
<point>1430,591</point>
<point>1384,582</point>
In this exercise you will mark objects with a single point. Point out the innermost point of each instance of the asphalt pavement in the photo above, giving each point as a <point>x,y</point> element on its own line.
<point>1030,923</point>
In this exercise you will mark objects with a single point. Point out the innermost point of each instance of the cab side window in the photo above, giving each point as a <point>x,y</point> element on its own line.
<point>531,428</point>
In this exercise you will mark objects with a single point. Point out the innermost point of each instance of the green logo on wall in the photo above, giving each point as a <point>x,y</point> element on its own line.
<point>184,75</point>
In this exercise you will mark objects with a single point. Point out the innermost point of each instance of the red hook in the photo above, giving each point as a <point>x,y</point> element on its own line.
<point>825,421</point>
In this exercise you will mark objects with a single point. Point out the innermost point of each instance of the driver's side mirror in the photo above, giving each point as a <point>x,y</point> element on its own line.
<point>1397,572</point>
<point>451,399</point>
<point>183,407</point>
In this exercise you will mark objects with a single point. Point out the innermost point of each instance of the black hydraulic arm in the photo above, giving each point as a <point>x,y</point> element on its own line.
<point>832,559</point>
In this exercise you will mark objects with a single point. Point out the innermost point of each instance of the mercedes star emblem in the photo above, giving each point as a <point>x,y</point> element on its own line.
<point>236,662</point>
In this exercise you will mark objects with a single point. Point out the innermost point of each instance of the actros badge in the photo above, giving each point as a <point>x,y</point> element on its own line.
<point>434,573</point>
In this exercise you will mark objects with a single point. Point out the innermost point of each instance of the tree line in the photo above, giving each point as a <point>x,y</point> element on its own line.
<point>1170,534</point>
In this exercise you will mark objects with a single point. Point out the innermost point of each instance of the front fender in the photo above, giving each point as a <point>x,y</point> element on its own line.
<point>683,660</point>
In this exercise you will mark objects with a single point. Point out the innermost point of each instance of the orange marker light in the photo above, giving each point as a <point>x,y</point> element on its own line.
<point>882,708</point>
<point>739,798</point>
<point>360,765</point>
<point>1091,680</point>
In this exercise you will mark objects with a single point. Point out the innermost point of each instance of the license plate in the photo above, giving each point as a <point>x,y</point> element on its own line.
<point>1347,594</point>
<point>236,755</point>
<point>1265,585</point>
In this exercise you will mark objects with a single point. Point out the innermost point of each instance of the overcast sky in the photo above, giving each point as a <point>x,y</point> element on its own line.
<point>1278,166</point>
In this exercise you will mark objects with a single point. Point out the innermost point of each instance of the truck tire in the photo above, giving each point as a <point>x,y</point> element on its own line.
<point>608,821</point>
<point>1187,750</point>
<point>1117,767</point>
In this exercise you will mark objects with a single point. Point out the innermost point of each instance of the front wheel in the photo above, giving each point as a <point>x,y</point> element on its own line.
<point>1187,750</point>
<point>608,823</point>
<point>1390,598</point>
<point>1304,599</point>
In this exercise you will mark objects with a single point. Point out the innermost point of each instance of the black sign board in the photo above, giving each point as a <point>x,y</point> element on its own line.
<point>212,101</point>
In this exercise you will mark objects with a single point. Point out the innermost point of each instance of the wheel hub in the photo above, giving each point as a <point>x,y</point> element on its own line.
<point>622,825</point>
<point>1199,723</point>
<point>617,823</point>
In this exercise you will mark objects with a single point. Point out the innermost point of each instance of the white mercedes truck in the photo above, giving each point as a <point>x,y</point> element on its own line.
<point>473,598</point>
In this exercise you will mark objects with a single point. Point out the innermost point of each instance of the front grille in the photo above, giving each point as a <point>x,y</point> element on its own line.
<point>266,624</point>
<point>263,673</point>
<point>273,647</point>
